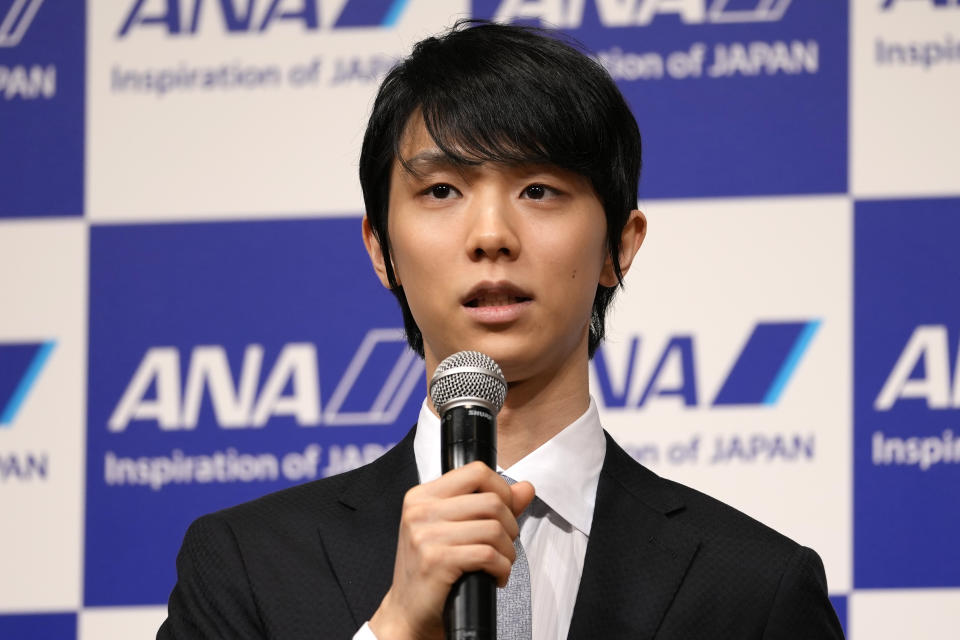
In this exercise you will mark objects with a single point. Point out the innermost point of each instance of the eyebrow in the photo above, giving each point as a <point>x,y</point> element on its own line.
<point>430,160</point>
<point>435,160</point>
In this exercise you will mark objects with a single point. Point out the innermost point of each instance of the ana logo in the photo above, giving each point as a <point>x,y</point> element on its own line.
<point>923,372</point>
<point>20,365</point>
<point>757,377</point>
<point>186,17</point>
<point>568,14</point>
<point>291,386</point>
<point>17,20</point>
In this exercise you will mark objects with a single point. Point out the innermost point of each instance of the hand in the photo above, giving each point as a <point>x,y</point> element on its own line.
<point>466,520</point>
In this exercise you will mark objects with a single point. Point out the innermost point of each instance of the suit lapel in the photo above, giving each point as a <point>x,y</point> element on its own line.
<point>360,536</point>
<point>637,555</point>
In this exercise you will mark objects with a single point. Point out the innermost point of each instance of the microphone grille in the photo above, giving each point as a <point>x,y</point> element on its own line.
<point>468,375</point>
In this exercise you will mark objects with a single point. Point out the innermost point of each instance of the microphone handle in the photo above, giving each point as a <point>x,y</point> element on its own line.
<point>467,433</point>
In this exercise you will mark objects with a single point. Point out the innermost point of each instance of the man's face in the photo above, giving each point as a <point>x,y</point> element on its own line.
<point>496,258</point>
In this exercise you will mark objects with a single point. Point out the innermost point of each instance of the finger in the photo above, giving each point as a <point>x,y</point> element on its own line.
<point>481,557</point>
<point>522,495</point>
<point>472,532</point>
<point>473,506</point>
<point>475,477</point>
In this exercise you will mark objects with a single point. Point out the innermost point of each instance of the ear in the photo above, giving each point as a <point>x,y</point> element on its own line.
<point>376,254</point>
<point>634,231</point>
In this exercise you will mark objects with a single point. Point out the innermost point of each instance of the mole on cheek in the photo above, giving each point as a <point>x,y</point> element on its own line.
<point>573,276</point>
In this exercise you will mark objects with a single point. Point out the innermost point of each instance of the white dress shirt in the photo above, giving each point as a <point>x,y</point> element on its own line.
<point>564,471</point>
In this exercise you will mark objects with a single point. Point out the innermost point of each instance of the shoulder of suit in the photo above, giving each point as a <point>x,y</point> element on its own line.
<point>713,521</point>
<point>306,503</point>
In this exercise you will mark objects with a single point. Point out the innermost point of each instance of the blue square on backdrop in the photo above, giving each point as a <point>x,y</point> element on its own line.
<point>840,606</point>
<point>906,393</point>
<point>42,79</point>
<point>39,626</point>
<point>734,98</point>
<point>228,360</point>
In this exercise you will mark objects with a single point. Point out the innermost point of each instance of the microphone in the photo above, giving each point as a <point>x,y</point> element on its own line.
<point>467,390</point>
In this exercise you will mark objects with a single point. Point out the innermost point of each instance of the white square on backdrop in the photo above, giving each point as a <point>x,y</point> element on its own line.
<point>44,295</point>
<point>709,276</point>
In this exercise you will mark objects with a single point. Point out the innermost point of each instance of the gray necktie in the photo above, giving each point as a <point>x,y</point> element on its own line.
<point>514,608</point>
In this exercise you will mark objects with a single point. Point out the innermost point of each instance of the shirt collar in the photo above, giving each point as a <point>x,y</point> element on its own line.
<point>564,470</point>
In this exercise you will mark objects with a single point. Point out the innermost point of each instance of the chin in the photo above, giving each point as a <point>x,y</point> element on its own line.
<point>520,355</point>
<point>518,359</point>
<point>508,354</point>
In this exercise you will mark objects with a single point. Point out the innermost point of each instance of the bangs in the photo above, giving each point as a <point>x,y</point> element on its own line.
<point>485,106</point>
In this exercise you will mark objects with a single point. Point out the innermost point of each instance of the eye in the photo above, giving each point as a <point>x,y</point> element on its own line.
<point>441,191</point>
<point>538,192</point>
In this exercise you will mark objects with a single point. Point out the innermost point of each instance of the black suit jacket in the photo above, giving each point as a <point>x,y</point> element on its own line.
<point>663,561</point>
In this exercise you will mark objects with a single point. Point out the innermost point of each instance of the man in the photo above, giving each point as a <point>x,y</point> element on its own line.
<point>499,171</point>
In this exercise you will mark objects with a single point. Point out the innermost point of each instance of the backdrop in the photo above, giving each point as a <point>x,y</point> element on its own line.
<point>188,318</point>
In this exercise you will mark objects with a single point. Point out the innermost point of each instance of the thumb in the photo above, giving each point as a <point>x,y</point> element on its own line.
<point>523,493</point>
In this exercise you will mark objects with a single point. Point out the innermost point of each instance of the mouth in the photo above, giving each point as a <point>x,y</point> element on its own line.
<point>495,299</point>
<point>495,295</point>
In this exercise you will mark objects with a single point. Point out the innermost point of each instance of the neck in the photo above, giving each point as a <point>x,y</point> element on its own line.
<point>539,408</point>
<point>540,402</point>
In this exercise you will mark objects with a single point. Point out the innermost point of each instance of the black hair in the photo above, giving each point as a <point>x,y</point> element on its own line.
<point>509,94</point>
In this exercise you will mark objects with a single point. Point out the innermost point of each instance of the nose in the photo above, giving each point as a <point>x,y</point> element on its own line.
<point>493,235</point>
